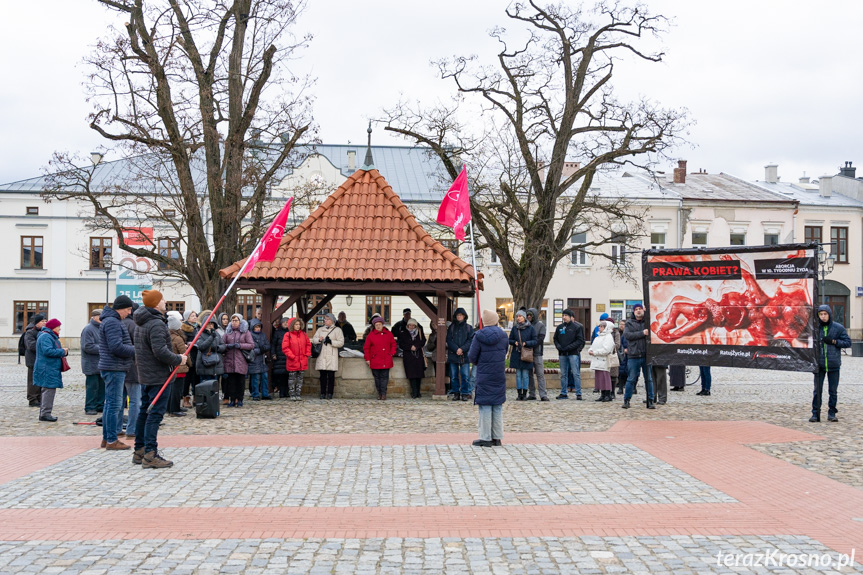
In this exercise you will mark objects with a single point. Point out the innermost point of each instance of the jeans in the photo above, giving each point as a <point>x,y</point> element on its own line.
<point>490,422</point>
<point>133,390</point>
<point>471,378</point>
<point>260,385</point>
<point>112,416</point>
<point>635,365</point>
<point>521,376</point>
<point>94,398</point>
<point>832,391</point>
<point>570,366</point>
<point>706,378</point>
<point>147,428</point>
<point>459,377</point>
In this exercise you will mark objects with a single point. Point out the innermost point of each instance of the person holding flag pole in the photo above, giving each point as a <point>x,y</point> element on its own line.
<point>150,417</point>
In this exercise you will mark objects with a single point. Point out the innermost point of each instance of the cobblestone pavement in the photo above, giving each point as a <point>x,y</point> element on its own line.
<point>541,555</point>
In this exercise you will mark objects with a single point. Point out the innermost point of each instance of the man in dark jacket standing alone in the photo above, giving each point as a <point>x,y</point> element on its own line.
<point>34,392</point>
<point>637,335</point>
<point>155,362</point>
<point>830,338</point>
<point>569,341</point>
<point>94,394</point>
<point>458,339</point>
<point>115,358</point>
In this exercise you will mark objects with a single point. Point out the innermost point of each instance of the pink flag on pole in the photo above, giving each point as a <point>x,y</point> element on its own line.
<point>269,244</point>
<point>454,210</point>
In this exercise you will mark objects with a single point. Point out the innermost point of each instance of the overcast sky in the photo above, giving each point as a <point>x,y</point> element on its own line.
<point>766,81</point>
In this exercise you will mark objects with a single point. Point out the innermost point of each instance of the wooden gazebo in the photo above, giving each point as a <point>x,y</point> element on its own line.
<point>362,240</point>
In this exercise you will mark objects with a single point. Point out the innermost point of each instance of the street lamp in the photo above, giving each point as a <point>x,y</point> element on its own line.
<point>107,262</point>
<point>827,261</point>
<point>349,300</point>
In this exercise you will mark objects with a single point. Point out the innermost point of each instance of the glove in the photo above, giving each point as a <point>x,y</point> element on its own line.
<point>233,346</point>
<point>327,340</point>
<point>830,341</point>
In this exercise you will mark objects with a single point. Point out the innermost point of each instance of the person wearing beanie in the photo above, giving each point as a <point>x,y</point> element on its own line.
<point>156,361</point>
<point>237,340</point>
<point>178,346</point>
<point>458,337</point>
<point>830,338</point>
<point>94,385</point>
<point>259,382</point>
<point>569,341</point>
<point>402,324</point>
<point>603,318</point>
<point>522,337</point>
<point>115,359</point>
<point>601,350</point>
<point>488,352</point>
<point>411,342</point>
<point>331,339</point>
<point>31,332</point>
<point>538,361</point>
<point>190,331</point>
<point>49,367</point>
<point>346,327</point>
<point>297,349</point>
<point>378,351</point>
<point>637,335</point>
<point>133,388</point>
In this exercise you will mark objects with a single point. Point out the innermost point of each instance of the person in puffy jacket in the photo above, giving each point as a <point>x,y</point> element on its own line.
<point>830,338</point>
<point>94,385</point>
<point>297,348</point>
<point>379,349</point>
<point>237,340</point>
<point>259,383</point>
<point>211,349</point>
<point>458,338</point>
<point>637,335</point>
<point>522,336</point>
<point>133,388</point>
<point>603,347</point>
<point>327,363</point>
<point>280,372</point>
<point>569,341</point>
<point>115,358</point>
<point>48,369</point>
<point>34,394</point>
<point>488,352</point>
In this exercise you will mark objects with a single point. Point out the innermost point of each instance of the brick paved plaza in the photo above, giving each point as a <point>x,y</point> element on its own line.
<point>360,486</point>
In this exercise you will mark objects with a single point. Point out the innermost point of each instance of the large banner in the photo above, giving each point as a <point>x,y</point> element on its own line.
<point>133,274</point>
<point>735,306</point>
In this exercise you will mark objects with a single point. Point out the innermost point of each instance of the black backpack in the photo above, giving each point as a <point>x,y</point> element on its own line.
<point>22,349</point>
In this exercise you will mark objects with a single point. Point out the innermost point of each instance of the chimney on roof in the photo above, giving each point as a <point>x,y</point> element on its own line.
<point>352,159</point>
<point>825,186</point>
<point>848,170</point>
<point>771,173</point>
<point>680,172</point>
<point>369,163</point>
<point>804,179</point>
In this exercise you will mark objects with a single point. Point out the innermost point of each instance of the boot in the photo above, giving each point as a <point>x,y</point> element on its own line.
<point>625,404</point>
<point>456,397</point>
<point>329,396</point>
<point>383,396</point>
<point>187,401</point>
<point>152,460</point>
<point>607,396</point>
<point>601,397</point>
<point>138,456</point>
<point>650,404</point>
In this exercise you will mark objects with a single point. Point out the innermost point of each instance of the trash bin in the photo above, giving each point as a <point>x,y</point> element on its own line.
<point>857,348</point>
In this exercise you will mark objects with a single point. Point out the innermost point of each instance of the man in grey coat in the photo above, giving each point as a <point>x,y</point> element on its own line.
<point>538,365</point>
<point>34,392</point>
<point>94,396</point>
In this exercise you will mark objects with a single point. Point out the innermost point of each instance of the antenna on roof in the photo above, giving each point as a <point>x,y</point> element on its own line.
<point>369,163</point>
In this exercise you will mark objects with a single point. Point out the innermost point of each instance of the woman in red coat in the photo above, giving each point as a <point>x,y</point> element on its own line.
<point>380,347</point>
<point>297,349</point>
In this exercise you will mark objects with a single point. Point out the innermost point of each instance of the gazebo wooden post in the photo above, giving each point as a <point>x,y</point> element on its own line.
<point>268,302</point>
<point>440,349</point>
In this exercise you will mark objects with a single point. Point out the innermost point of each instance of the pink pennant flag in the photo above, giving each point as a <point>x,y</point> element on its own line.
<point>454,210</point>
<point>266,249</point>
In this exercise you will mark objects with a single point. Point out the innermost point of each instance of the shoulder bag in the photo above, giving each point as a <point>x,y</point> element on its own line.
<point>526,352</point>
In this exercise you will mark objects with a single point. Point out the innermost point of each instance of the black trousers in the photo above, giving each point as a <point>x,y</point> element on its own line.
<point>382,379</point>
<point>832,391</point>
<point>328,381</point>
<point>280,382</point>
<point>416,382</point>
<point>236,386</point>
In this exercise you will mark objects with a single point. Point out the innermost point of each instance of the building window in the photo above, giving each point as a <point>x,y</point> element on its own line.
<point>169,248</point>
<point>494,259</point>
<point>32,211</point>
<point>503,305</point>
<point>24,310</point>
<point>170,213</point>
<point>737,240</point>
<point>699,239</point>
<point>379,304</point>
<point>618,251</point>
<point>31,252</point>
<point>319,317</point>
<point>812,234</point>
<point>771,239</point>
<point>839,244</point>
<point>451,245</point>
<point>100,248</point>
<point>93,306</point>
<point>179,306</point>
<point>581,308</point>
<point>578,257</point>
<point>247,304</point>
<point>657,240</point>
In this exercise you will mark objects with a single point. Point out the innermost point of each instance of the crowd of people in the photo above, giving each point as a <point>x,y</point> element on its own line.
<point>128,352</point>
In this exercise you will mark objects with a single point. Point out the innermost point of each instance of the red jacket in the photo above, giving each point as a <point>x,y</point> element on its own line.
<point>379,348</point>
<point>297,347</point>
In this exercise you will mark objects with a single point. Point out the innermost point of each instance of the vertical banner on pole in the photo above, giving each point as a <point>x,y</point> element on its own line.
<point>133,273</point>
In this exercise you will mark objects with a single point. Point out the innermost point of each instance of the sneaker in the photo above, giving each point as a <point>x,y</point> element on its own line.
<point>562,396</point>
<point>152,460</point>
<point>703,392</point>
<point>815,419</point>
<point>531,398</point>
<point>117,446</point>
<point>256,398</point>
<point>138,456</point>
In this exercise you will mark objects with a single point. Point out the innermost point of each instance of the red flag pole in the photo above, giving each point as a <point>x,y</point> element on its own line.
<point>212,313</point>
<point>475,276</point>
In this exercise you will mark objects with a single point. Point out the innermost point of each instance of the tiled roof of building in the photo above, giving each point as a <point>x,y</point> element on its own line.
<point>361,232</point>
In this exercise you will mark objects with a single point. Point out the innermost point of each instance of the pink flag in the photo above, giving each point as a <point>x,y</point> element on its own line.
<point>454,210</point>
<point>266,249</point>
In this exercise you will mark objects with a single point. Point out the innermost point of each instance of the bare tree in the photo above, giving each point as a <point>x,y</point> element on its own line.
<point>197,97</point>
<point>550,123</point>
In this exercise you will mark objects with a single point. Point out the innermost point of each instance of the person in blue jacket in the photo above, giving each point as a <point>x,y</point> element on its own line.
<point>522,336</point>
<point>48,369</point>
<point>116,352</point>
<point>830,338</point>
<point>488,353</point>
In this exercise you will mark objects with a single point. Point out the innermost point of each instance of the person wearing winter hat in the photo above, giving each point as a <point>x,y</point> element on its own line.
<point>237,340</point>
<point>31,332</point>
<point>569,341</point>
<point>190,329</point>
<point>178,346</point>
<point>331,338</point>
<point>411,342</point>
<point>48,369</point>
<point>458,337</point>
<point>637,335</point>
<point>603,318</point>
<point>378,351</point>
<point>488,352</point>
<point>297,349</point>
<point>133,388</point>
<point>115,358</point>
<point>538,362</point>
<point>155,361</point>
<point>522,336</point>
<point>830,337</point>
<point>94,385</point>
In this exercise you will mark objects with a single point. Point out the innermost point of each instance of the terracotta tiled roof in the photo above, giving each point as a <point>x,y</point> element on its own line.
<point>361,232</point>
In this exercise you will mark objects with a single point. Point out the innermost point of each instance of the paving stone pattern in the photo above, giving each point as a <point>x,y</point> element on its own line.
<point>353,476</point>
<point>541,555</point>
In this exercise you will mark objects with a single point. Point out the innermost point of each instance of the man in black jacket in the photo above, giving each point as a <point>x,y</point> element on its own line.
<point>34,392</point>
<point>115,358</point>
<point>830,338</point>
<point>459,336</point>
<point>156,361</point>
<point>637,335</point>
<point>569,341</point>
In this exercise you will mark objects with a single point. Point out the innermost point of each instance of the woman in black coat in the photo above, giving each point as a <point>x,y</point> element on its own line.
<point>280,360</point>
<point>411,341</point>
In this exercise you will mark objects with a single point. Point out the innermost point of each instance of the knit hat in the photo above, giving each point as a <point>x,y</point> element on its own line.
<point>568,312</point>
<point>331,316</point>
<point>175,320</point>
<point>489,317</point>
<point>122,302</point>
<point>377,319</point>
<point>52,323</point>
<point>636,306</point>
<point>406,310</point>
<point>151,297</point>
<point>521,313</point>
<point>187,314</point>
<point>37,318</point>
<point>603,317</point>
<point>412,321</point>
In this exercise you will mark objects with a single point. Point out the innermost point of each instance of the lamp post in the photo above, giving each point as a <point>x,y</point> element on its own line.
<point>107,262</point>
<point>826,261</point>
